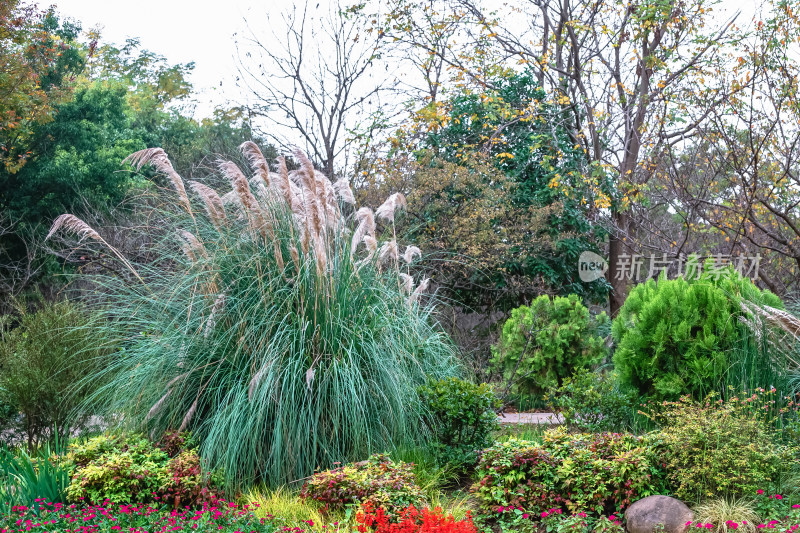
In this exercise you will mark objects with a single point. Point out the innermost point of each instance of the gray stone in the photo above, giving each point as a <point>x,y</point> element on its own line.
<point>658,514</point>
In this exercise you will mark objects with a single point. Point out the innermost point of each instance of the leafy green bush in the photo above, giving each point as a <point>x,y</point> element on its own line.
<point>379,480</point>
<point>603,472</point>
<point>584,472</point>
<point>516,473</point>
<point>592,402</point>
<point>278,335</point>
<point>461,417</point>
<point>717,448</point>
<point>45,358</point>
<point>674,337</point>
<point>545,343</point>
<point>131,469</point>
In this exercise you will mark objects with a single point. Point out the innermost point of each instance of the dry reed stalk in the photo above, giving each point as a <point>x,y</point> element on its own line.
<point>159,159</point>
<point>212,201</point>
<point>75,225</point>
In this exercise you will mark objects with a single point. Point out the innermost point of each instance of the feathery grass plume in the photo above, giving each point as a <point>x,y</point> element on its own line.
<point>393,203</point>
<point>258,162</point>
<point>407,282</point>
<point>388,253</point>
<point>75,225</point>
<point>159,159</point>
<point>212,202</point>
<point>422,287</point>
<point>284,185</point>
<point>410,253</point>
<point>342,189</point>
<point>236,370</point>
<point>366,227</point>
<point>219,304</point>
<point>194,246</point>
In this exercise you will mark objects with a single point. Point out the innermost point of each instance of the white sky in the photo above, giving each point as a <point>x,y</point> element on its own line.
<point>202,31</point>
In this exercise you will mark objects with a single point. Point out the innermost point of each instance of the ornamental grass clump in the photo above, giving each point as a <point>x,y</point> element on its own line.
<point>271,323</point>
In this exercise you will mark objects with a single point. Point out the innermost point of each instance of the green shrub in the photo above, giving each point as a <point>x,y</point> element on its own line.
<point>379,480</point>
<point>131,469</point>
<point>275,335</point>
<point>674,337</point>
<point>516,473</point>
<point>602,473</point>
<point>461,417</point>
<point>545,343</point>
<point>717,449</point>
<point>45,358</point>
<point>592,402</point>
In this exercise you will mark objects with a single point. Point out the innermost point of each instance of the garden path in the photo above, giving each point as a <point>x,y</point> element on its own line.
<point>529,418</point>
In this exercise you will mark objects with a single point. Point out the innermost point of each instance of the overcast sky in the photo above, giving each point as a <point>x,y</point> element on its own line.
<point>202,31</point>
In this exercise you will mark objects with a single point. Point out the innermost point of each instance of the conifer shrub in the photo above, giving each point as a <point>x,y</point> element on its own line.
<point>677,336</point>
<point>545,343</point>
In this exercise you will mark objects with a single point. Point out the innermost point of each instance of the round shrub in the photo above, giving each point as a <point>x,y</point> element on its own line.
<point>461,417</point>
<point>717,449</point>
<point>543,344</point>
<point>272,324</point>
<point>379,481</point>
<point>676,336</point>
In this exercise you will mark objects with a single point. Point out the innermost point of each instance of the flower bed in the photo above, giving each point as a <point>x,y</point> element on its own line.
<point>222,517</point>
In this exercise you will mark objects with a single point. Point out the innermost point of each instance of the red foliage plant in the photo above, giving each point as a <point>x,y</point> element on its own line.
<point>375,520</point>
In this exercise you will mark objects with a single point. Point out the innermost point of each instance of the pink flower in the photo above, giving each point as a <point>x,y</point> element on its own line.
<point>759,491</point>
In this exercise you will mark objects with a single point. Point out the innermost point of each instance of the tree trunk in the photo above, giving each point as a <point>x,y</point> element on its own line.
<point>617,247</point>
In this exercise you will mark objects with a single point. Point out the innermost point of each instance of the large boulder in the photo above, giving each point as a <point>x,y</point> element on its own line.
<point>658,514</point>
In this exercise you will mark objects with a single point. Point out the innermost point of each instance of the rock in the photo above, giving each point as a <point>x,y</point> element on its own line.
<point>658,514</point>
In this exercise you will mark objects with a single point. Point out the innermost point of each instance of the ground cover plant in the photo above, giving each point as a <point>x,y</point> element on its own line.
<point>719,448</point>
<point>594,473</point>
<point>273,325</point>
